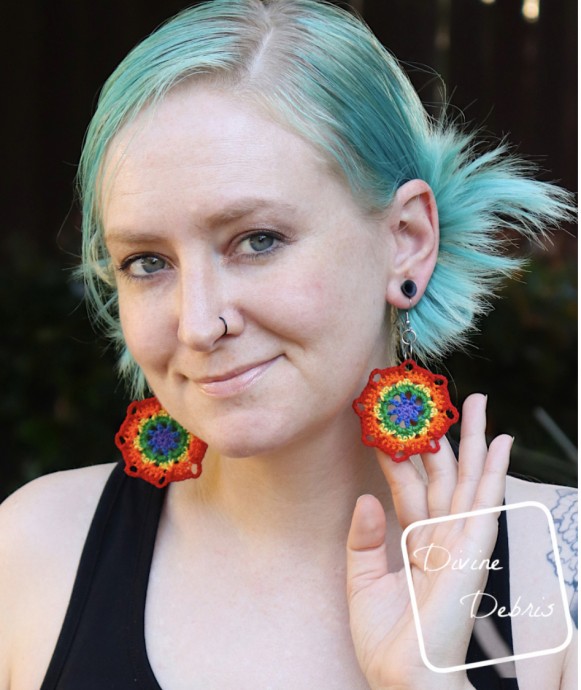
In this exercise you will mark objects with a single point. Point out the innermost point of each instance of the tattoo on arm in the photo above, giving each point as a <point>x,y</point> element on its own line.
<point>564,515</point>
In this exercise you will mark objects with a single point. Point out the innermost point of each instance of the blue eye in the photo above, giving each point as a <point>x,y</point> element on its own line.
<point>261,242</point>
<point>143,266</point>
<point>147,265</point>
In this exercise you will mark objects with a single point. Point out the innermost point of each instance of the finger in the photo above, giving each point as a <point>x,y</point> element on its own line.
<point>408,489</point>
<point>472,454</point>
<point>366,550</point>
<point>490,494</point>
<point>442,471</point>
<point>492,486</point>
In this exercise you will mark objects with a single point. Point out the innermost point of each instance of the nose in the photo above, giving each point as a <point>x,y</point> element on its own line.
<point>202,309</point>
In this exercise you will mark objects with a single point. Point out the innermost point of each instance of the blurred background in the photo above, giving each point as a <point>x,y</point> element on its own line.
<point>509,67</point>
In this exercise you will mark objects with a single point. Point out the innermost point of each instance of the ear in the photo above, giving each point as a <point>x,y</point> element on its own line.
<point>415,235</point>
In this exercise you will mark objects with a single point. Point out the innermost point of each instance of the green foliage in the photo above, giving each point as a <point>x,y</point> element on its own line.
<point>526,362</point>
<point>59,405</point>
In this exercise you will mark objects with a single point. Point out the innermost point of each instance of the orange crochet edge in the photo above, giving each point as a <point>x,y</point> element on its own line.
<point>405,410</point>
<point>156,448</point>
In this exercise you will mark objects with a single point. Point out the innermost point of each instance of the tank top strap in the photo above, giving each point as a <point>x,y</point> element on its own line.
<point>102,642</point>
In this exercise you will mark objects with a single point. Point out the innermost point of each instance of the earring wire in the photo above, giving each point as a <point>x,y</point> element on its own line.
<point>408,337</point>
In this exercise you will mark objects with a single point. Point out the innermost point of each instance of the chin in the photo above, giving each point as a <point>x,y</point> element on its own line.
<point>250,440</point>
<point>238,447</point>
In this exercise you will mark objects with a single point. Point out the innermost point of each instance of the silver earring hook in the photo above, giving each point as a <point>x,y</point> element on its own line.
<point>407,338</point>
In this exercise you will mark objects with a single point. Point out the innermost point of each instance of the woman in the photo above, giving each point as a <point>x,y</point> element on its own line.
<point>265,201</point>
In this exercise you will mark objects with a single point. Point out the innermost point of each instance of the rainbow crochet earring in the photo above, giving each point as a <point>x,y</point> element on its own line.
<point>156,448</point>
<point>405,410</point>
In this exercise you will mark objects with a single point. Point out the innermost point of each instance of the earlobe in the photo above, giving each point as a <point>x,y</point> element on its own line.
<point>415,229</point>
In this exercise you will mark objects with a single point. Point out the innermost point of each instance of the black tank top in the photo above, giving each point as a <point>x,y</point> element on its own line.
<point>102,642</point>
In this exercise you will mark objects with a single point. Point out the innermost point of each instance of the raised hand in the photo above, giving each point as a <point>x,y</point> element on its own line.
<point>382,623</point>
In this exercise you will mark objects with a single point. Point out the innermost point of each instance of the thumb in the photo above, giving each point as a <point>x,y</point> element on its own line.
<point>366,551</point>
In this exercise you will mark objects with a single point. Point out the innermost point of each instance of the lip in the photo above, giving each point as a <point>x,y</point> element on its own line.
<point>235,381</point>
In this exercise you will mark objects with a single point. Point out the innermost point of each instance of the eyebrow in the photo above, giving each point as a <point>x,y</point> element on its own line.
<point>240,209</point>
<point>246,207</point>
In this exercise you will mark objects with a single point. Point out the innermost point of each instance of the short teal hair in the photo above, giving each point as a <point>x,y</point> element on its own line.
<point>321,71</point>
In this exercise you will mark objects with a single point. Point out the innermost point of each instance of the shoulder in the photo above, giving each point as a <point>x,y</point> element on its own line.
<point>561,502</point>
<point>45,507</point>
<point>43,527</point>
<point>518,490</point>
<point>539,612</point>
<point>47,515</point>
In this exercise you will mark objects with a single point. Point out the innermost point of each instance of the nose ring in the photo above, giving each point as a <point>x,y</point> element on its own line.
<point>225,325</point>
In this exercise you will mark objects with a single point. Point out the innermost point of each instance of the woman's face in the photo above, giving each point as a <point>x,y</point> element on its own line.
<point>211,209</point>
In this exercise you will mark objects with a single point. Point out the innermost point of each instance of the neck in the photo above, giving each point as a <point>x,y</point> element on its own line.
<point>304,494</point>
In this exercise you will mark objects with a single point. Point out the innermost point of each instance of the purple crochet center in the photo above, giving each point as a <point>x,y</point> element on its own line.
<point>163,438</point>
<point>407,410</point>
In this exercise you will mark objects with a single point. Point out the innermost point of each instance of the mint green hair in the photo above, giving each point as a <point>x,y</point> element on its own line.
<point>320,71</point>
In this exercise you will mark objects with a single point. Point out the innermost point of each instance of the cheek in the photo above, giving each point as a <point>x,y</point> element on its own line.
<point>294,305</point>
<point>147,332</point>
<point>323,303</point>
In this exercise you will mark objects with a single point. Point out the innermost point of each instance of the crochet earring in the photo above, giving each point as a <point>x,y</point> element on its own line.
<point>405,410</point>
<point>156,448</point>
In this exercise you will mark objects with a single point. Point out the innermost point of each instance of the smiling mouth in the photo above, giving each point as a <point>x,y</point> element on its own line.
<point>236,381</point>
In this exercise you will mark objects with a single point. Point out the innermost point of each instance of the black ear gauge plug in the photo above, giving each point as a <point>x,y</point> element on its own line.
<point>409,288</point>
